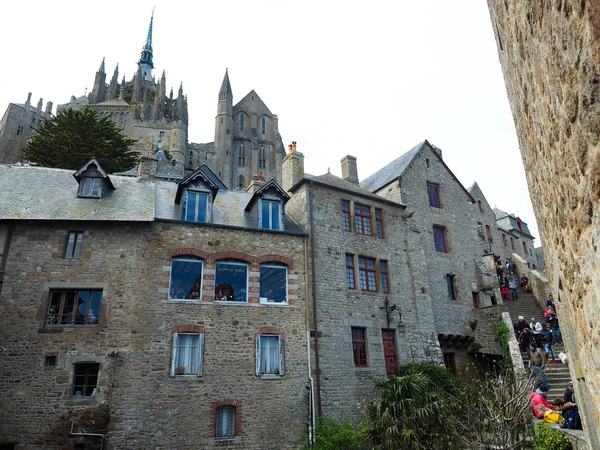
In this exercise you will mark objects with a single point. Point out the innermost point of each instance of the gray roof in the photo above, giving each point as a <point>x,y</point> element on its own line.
<point>508,222</point>
<point>164,168</point>
<point>392,171</point>
<point>41,193</point>
<point>338,183</point>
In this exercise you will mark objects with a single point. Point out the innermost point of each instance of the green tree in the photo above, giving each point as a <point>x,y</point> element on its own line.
<point>411,412</point>
<point>72,137</point>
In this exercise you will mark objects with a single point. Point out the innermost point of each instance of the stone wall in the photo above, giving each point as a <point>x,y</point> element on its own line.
<point>550,56</point>
<point>138,404</point>
<point>485,333</point>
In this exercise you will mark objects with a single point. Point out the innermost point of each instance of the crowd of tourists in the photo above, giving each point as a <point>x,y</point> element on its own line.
<point>509,280</point>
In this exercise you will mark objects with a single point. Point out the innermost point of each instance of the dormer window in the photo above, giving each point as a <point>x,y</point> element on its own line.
<point>196,207</point>
<point>271,214</point>
<point>90,187</point>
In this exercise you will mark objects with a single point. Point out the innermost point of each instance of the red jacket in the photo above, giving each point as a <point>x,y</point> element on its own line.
<point>536,400</point>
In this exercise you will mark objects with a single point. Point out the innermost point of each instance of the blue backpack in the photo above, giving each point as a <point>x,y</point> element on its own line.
<point>572,419</point>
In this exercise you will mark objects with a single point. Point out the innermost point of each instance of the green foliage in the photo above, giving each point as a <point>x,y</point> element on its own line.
<point>334,436</point>
<point>71,138</point>
<point>503,336</point>
<point>473,324</point>
<point>411,412</point>
<point>546,438</point>
<point>438,376</point>
<point>169,156</point>
<point>474,347</point>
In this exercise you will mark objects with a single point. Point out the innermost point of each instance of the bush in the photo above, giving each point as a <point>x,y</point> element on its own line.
<point>546,438</point>
<point>438,375</point>
<point>332,435</point>
<point>503,336</point>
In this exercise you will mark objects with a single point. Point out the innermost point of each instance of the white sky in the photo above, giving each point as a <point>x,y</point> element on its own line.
<point>369,79</point>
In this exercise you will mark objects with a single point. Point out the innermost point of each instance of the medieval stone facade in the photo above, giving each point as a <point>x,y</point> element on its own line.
<point>550,56</point>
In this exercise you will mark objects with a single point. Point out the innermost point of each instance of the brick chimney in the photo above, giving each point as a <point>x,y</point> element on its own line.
<point>349,170</point>
<point>292,167</point>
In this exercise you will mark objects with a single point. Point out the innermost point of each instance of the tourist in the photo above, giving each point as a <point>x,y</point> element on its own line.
<point>548,340</point>
<point>569,395</point>
<point>537,363</point>
<point>552,320</point>
<point>525,283</point>
<point>512,285</point>
<point>538,331</point>
<point>524,341</point>
<point>550,302</point>
<point>540,404</point>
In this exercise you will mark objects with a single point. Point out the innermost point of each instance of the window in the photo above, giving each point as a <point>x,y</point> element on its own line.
<point>362,219</point>
<point>241,182</point>
<point>187,354</point>
<point>50,361</point>
<point>85,380</point>
<point>346,215</point>
<point>262,163</point>
<point>383,273</point>
<point>90,187</point>
<point>225,422</point>
<point>241,155</point>
<point>270,215</point>
<point>512,243</point>
<point>439,238</point>
<point>451,282</point>
<point>379,222</point>
<point>350,280</point>
<point>519,224</point>
<point>504,241</point>
<point>480,230</point>
<point>524,248</point>
<point>185,282</point>
<point>488,232</point>
<point>20,130</point>
<point>242,123</point>
<point>161,134</point>
<point>433,191</point>
<point>480,206</point>
<point>269,354</point>
<point>359,346</point>
<point>530,252</point>
<point>74,241</point>
<point>72,307</point>
<point>366,272</point>
<point>231,281</point>
<point>263,124</point>
<point>4,241</point>
<point>195,207</point>
<point>273,283</point>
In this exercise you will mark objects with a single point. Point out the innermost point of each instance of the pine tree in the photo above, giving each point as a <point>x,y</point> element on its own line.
<point>72,137</point>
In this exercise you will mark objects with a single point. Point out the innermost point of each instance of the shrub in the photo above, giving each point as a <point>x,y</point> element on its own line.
<point>332,435</point>
<point>503,336</point>
<point>438,375</point>
<point>546,438</point>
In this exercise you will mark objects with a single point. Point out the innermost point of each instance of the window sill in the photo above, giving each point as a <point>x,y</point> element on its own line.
<point>184,300</point>
<point>270,376</point>
<point>274,303</point>
<point>81,401</point>
<point>60,328</point>
<point>187,377</point>
<point>365,369</point>
<point>225,442</point>
<point>229,302</point>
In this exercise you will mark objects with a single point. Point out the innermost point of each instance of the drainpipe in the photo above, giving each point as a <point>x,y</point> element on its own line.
<point>314,292</point>
<point>87,434</point>
<point>312,415</point>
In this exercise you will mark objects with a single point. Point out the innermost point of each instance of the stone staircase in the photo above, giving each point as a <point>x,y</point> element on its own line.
<point>558,375</point>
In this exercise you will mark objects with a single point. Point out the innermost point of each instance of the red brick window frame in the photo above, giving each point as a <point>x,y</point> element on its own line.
<point>215,411</point>
<point>433,192</point>
<point>359,346</point>
<point>367,274</point>
<point>362,219</point>
<point>346,215</point>
<point>379,222</point>
<point>350,275</point>
<point>384,276</point>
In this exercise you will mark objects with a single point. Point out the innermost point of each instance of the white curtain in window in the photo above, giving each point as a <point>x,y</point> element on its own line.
<point>187,354</point>
<point>225,421</point>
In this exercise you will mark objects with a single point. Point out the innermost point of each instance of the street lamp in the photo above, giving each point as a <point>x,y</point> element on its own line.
<point>389,309</point>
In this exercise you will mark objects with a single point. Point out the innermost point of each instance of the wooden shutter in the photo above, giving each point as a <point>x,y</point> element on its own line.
<point>257,354</point>
<point>281,353</point>
<point>174,354</point>
<point>200,351</point>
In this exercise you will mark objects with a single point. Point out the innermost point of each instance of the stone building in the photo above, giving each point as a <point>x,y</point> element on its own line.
<point>371,309</point>
<point>180,302</point>
<point>550,56</point>
<point>19,123</point>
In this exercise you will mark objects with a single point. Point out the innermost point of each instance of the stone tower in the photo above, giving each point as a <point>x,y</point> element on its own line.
<point>224,131</point>
<point>145,63</point>
<point>98,93</point>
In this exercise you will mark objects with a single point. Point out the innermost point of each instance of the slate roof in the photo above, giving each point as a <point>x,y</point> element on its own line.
<point>509,222</point>
<point>338,183</point>
<point>41,193</point>
<point>393,170</point>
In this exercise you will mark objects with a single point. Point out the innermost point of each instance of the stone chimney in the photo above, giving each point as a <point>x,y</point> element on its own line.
<point>48,111</point>
<point>38,110</point>
<point>292,167</point>
<point>147,168</point>
<point>256,183</point>
<point>349,170</point>
<point>437,150</point>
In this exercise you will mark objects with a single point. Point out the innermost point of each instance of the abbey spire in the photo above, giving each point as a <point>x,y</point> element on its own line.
<point>145,63</point>
<point>225,93</point>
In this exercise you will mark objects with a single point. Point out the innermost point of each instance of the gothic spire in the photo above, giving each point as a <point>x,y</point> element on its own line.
<point>145,62</point>
<point>102,69</point>
<point>225,92</point>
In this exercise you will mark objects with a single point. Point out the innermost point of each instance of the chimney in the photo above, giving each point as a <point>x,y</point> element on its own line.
<point>72,99</point>
<point>38,110</point>
<point>256,183</point>
<point>147,168</point>
<point>48,111</point>
<point>437,150</point>
<point>292,167</point>
<point>349,170</point>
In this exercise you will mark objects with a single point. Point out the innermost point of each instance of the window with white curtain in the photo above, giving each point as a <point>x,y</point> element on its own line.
<point>225,426</point>
<point>187,354</point>
<point>269,355</point>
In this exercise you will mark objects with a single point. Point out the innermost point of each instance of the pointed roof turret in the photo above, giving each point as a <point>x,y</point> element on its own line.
<point>145,61</point>
<point>102,69</point>
<point>180,94</point>
<point>225,92</point>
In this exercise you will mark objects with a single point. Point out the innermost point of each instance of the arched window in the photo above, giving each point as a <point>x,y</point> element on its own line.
<point>241,182</point>
<point>262,163</point>
<point>242,156</point>
<point>264,125</point>
<point>242,122</point>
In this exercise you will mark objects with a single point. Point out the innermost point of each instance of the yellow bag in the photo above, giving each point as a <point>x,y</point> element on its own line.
<point>552,417</point>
